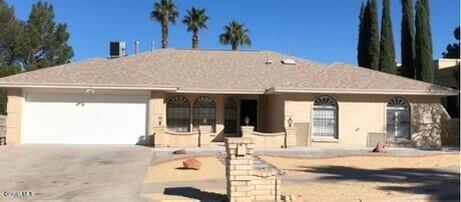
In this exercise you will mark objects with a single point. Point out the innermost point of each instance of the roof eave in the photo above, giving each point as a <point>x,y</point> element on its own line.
<point>106,87</point>
<point>275,90</point>
<point>220,91</point>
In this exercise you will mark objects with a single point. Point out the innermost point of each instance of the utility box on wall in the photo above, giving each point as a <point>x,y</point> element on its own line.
<point>374,138</point>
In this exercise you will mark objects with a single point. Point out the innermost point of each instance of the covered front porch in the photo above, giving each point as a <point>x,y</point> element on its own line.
<point>200,120</point>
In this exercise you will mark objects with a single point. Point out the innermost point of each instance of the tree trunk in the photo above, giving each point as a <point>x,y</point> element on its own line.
<point>165,33</point>
<point>234,46</point>
<point>195,40</point>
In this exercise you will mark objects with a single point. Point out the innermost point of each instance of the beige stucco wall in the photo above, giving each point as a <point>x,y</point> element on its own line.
<point>14,114</point>
<point>358,115</point>
<point>273,108</point>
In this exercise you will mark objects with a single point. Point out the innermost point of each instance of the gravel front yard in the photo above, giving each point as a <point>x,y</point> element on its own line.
<point>366,178</point>
<point>372,178</point>
<point>296,166</point>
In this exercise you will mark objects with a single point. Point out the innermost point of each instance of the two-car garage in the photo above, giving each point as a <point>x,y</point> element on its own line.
<point>81,117</point>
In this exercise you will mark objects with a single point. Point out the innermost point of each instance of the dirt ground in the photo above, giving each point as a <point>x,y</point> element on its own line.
<point>172,171</point>
<point>371,178</point>
<point>358,178</point>
<point>296,166</point>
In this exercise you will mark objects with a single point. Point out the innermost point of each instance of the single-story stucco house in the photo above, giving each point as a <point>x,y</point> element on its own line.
<point>191,98</point>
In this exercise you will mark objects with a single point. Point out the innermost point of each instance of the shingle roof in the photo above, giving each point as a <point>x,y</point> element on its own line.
<point>214,70</point>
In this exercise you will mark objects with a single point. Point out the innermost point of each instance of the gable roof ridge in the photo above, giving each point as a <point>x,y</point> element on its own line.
<point>295,57</point>
<point>380,72</point>
<point>216,50</point>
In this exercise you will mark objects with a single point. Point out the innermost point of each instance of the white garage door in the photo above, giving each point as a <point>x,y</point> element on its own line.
<point>84,119</point>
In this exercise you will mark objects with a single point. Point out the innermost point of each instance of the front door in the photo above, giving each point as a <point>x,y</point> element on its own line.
<point>249,108</point>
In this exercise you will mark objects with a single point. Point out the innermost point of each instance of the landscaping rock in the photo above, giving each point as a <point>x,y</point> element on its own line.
<point>379,148</point>
<point>180,151</point>
<point>289,197</point>
<point>192,164</point>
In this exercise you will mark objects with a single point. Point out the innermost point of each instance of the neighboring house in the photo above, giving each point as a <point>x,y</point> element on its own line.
<point>444,76</point>
<point>168,95</point>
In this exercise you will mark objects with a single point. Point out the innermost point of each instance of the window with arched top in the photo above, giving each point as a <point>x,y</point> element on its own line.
<point>325,116</point>
<point>204,113</point>
<point>398,119</point>
<point>178,114</point>
<point>230,116</point>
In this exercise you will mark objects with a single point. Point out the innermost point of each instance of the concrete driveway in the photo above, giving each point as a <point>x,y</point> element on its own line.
<point>74,172</point>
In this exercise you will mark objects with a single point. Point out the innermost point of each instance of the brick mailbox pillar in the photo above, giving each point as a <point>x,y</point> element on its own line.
<point>244,182</point>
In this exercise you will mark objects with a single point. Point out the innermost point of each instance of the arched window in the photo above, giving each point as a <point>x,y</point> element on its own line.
<point>204,112</point>
<point>230,116</point>
<point>325,116</point>
<point>178,114</point>
<point>398,119</point>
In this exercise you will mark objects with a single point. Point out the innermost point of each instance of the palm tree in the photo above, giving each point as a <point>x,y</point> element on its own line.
<point>236,35</point>
<point>164,12</point>
<point>195,20</point>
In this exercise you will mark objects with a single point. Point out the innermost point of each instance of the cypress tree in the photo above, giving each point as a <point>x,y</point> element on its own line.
<point>425,3</point>
<point>361,47</point>
<point>387,49</point>
<point>407,42</point>
<point>423,43</point>
<point>372,36</point>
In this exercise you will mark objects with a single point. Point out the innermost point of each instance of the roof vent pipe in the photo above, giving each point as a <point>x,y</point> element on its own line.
<point>288,61</point>
<point>152,46</point>
<point>136,47</point>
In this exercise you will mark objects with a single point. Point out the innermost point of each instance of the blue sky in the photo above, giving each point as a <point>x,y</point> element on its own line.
<point>320,30</point>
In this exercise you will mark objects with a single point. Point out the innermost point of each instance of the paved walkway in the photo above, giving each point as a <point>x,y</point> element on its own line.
<point>310,152</point>
<point>161,155</point>
<point>165,154</point>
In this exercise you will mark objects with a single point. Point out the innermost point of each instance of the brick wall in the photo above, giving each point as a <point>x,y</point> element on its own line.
<point>244,182</point>
<point>271,140</point>
<point>201,138</point>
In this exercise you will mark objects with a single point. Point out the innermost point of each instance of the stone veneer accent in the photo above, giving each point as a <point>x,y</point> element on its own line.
<point>244,182</point>
<point>427,125</point>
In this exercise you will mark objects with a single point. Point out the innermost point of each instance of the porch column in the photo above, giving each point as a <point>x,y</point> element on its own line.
<point>157,119</point>
<point>159,136</point>
<point>206,136</point>
<point>13,119</point>
<point>247,131</point>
